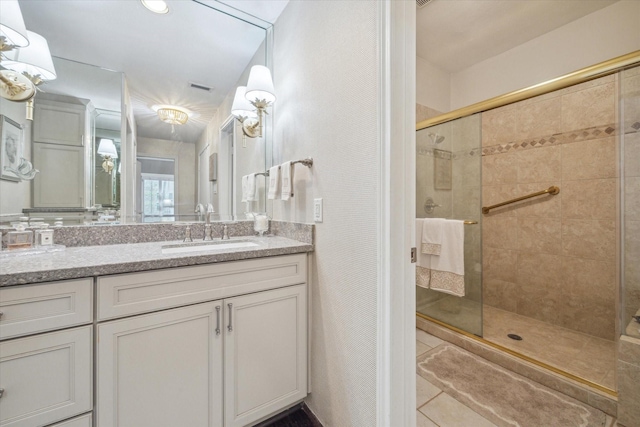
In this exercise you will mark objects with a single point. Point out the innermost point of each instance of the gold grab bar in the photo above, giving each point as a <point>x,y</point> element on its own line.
<point>553,190</point>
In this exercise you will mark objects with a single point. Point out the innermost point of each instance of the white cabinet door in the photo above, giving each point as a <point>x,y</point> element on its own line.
<point>162,369</point>
<point>59,122</point>
<point>45,378</point>
<point>60,182</point>
<point>265,353</point>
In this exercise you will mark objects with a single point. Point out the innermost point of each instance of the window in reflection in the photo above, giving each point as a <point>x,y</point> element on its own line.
<point>157,177</point>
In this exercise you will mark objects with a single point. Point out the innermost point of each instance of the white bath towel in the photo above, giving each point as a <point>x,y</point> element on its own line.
<point>244,188</point>
<point>274,183</point>
<point>287,171</point>
<point>423,261</point>
<point>432,236</point>
<point>447,269</point>
<point>251,188</point>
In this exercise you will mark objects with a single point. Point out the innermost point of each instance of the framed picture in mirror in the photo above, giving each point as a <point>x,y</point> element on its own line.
<point>10,148</point>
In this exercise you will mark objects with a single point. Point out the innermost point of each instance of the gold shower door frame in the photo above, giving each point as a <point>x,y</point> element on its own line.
<point>601,69</point>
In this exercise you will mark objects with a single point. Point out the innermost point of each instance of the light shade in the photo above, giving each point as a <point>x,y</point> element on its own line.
<point>34,59</point>
<point>12,24</point>
<point>241,106</point>
<point>260,85</point>
<point>107,148</point>
<point>156,6</point>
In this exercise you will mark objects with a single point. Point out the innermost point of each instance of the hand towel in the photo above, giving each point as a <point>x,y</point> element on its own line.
<point>447,269</point>
<point>287,170</point>
<point>432,236</point>
<point>423,261</point>
<point>251,188</point>
<point>274,183</point>
<point>244,188</point>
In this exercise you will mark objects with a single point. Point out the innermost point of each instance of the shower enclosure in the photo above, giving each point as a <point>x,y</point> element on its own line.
<point>552,269</point>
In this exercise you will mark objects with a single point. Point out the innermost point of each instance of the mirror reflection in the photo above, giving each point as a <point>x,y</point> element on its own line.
<point>137,125</point>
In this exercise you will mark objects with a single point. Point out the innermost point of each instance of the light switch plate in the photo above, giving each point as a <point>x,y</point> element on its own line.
<point>317,210</point>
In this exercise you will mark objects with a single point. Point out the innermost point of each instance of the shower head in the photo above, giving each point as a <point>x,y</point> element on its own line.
<point>435,138</point>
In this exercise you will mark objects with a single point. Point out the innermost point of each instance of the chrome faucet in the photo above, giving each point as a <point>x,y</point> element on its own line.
<point>225,232</point>
<point>199,211</point>
<point>207,226</point>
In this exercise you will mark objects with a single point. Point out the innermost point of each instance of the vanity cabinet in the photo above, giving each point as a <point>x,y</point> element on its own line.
<point>46,378</point>
<point>233,352</point>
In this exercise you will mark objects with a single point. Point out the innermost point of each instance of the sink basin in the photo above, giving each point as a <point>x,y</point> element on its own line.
<point>206,246</point>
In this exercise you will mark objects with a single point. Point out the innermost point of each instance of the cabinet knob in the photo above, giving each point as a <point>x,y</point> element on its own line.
<point>1,313</point>
<point>1,392</point>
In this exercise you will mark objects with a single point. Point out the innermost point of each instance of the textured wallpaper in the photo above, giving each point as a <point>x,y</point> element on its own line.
<point>326,76</point>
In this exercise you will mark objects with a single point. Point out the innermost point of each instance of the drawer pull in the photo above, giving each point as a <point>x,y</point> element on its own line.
<point>230,327</point>
<point>218,320</point>
<point>1,313</point>
<point>1,392</point>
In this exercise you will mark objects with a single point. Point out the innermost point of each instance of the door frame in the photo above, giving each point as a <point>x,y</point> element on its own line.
<point>396,380</point>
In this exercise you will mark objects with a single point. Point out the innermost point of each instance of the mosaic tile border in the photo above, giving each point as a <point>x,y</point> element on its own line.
<point>552,140</point>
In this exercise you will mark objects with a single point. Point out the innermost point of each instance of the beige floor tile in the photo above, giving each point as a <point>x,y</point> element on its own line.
<point>421,348</point>
<point>427,338</point>
<point>422,421</point>
<point>425,391</point>
<point>445,411</point>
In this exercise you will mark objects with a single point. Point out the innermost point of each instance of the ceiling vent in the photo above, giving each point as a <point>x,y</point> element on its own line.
<point>422,3</point>
<point>200,87</point>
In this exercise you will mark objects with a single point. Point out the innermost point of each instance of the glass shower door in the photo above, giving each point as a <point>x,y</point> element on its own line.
<point>448,174</point>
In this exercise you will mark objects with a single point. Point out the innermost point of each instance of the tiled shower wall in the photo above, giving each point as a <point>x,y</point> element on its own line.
<point>553,258</point>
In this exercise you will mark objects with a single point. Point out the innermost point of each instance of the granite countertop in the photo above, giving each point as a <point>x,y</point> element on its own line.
<point>88,261</point>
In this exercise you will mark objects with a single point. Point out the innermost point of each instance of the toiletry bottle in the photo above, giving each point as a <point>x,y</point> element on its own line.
<point>19,239</point>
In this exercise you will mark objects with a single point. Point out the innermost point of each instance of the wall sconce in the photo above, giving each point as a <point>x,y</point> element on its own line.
<point>13,33</point>
<point>250,103</point>
<point>242,110</point>
<point>33,63</point>
<point>108,151</point>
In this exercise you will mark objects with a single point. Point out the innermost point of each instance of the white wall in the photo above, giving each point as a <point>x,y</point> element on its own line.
<point>597,37</point>
<point>326,61</point>
<point>433,86</point>
<point>14,196</point>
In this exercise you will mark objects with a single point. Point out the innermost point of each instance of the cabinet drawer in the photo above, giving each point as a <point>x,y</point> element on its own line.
<point>81,421</point>
<point>127,294</point>
<point>44,307</point>
<point>46,378</point>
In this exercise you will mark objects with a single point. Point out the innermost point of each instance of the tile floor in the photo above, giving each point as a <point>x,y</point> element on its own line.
<point>580,354</point>
<point>435,408</point>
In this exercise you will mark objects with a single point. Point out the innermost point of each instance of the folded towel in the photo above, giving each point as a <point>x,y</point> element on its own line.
<point>274,183</point>
<point>287,170</point>
<point>432,236</point>
<point>244,187</point>
<point>423,261</point>
<point>251,188</point>
<point>447,269</point>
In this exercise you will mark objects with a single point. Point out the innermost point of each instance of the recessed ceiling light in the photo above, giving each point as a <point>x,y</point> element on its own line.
<point>156,6</point>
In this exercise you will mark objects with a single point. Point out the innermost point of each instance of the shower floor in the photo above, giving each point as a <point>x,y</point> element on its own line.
<point>585,356</point>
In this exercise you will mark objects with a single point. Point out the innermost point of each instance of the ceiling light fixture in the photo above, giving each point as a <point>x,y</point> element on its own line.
<point>172,114</point>
<point>156,6</point>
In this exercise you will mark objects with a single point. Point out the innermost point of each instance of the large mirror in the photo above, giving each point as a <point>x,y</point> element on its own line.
<point>98,138</point>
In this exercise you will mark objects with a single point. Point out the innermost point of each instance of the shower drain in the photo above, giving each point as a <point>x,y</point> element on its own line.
<point>515,337</point>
